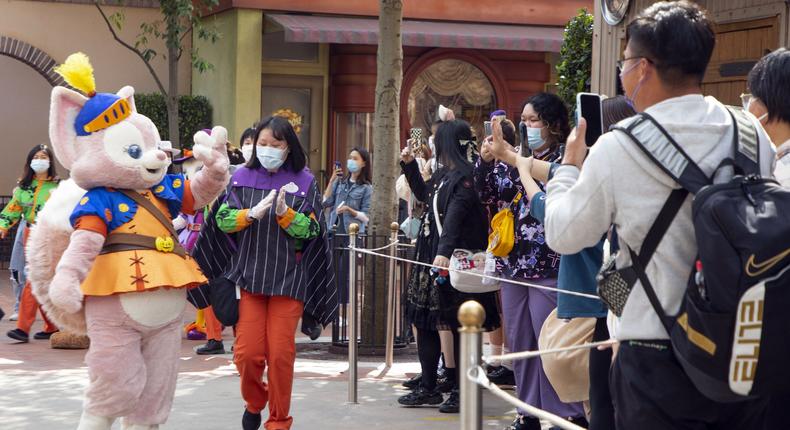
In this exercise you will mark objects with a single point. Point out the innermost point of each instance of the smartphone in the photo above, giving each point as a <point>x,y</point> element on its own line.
<point>487,128</point>
<point>416,134</point>
<point>588,106</point>
<point>337,165</point>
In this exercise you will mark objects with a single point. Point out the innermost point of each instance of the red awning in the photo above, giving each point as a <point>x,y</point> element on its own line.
<point>364,31</point>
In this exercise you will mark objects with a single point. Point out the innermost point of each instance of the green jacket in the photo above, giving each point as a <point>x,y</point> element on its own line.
<point>27,201</point>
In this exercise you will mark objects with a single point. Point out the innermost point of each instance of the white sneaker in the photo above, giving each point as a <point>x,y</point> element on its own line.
<point>13,317</point>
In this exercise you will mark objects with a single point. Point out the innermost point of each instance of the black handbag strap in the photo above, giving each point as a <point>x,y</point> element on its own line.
<point>657,231</point>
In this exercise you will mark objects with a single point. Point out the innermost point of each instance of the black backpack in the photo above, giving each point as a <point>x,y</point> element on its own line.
<point>731,335</point>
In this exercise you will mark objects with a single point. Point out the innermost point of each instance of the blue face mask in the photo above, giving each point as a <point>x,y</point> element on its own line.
<point>271,158</point>
<point>352,165</point>
<point>534,139</point>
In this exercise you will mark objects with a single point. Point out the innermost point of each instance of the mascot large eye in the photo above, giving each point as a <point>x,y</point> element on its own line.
<point>134,151</point>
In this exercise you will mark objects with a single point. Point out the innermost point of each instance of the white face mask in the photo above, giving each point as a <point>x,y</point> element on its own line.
<point>39,166</point>
<point>271,158</point>
<point>246,151</point>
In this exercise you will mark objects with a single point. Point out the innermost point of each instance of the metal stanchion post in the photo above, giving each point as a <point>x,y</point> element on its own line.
<point>390,345</point>
<point>351,317</point>
<point>471,316</point>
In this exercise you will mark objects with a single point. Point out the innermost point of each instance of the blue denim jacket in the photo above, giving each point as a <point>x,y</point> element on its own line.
<point>577,273</point>
<point>355,196</point>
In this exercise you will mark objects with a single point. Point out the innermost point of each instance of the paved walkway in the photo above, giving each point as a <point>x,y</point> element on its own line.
<point>41,388</point>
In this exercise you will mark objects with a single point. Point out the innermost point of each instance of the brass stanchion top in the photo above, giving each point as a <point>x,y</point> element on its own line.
<point>471,315</point>
<point>394,226</point>
<point>353,228</point>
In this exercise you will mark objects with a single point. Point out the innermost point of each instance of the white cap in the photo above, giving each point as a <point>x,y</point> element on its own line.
<point>167,146</point>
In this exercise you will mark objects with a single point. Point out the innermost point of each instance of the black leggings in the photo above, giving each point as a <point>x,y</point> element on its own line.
<point>429,349</point>
<point>601,409</point>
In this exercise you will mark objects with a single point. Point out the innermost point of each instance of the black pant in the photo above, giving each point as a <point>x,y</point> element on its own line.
<point>429,349</point>
<point>601,409</point>
<point>651,391</point>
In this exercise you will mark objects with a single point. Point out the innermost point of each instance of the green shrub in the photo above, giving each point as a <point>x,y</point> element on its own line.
<point>194,114</point>
<point>575,66</point>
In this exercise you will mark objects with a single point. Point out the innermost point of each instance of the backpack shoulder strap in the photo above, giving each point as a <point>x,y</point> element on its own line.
<point>664,151</point>
<point>746,143</point>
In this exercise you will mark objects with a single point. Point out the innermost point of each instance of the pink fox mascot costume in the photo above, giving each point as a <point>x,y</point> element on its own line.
<point>122,276</point>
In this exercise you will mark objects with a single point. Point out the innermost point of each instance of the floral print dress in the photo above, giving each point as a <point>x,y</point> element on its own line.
<point>531,258</point>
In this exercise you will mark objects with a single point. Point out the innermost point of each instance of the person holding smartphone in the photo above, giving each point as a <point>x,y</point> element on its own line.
<point>348,196</point>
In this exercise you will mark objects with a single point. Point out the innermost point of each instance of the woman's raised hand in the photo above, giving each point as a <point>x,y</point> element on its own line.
<point>406,154</point>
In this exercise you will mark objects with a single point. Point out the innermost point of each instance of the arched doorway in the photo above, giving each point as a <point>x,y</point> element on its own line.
<point>460,80</point>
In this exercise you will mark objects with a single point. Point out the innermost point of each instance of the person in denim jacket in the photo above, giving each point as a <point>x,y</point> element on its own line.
<point>349,200</point>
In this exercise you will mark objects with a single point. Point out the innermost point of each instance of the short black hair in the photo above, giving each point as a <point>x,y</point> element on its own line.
<point>551,110</point>
<point>281,130</point>
<point>248,133</point>
<point>28,173</point>
<point>677,37</point>
<point>769,81</point>
<point>614,110</point>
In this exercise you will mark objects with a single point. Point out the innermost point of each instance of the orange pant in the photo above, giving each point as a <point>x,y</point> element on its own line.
<point>265,337</point>
<point>27,312</point>
<point>213,326</point>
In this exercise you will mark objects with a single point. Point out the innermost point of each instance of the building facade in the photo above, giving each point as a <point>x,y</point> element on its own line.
<point>745,31</point>
<point>36,36</point>
<point>314,61</point>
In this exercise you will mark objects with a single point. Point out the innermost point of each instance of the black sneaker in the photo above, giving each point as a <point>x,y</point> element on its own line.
<point>524,423</point>
<point>18,334</point>
<point>579,421</point>
<point>420,397</point>
<point>451,405</point>
<point>502,376</point>
<point>446,383</point>
<point>211,347</point>
<point>43,335</point>
<point>250,421</point>
<point>414,382</point>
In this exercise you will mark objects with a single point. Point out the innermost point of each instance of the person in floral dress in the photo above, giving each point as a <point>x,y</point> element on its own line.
<point>543,128</point>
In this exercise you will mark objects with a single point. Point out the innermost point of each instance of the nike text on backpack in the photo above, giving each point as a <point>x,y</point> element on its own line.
<point>731,334</point>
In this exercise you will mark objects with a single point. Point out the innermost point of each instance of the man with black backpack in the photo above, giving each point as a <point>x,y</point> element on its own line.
<point>639,179</point>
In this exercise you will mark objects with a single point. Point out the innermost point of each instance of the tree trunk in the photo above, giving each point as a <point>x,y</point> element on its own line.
<point>385,168</point>
<point>171,98</point>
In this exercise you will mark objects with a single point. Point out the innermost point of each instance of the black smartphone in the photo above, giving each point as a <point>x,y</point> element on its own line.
<point>588,106</point>
<point>337,164</point>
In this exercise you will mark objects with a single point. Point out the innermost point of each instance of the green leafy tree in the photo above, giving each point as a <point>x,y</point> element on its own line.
<point>575,65</point>
<point>179,19</point>
<point>194,114</point>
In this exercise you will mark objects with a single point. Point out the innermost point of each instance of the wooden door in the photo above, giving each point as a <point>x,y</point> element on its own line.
<point>300,99</point>
<point>739,46</point>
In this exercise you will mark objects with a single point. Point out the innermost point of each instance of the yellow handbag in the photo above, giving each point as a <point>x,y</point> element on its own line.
<point>503,230</point>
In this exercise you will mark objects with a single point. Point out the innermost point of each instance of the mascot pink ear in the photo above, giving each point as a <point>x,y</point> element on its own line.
<point>127,93</point>
<point>64,106</point>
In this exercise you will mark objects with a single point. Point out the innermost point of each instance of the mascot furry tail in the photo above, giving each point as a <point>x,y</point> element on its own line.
<point>48,239</point>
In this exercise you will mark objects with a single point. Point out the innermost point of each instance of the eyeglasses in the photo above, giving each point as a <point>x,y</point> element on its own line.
<point>746,100</point>
<point>620,63</point>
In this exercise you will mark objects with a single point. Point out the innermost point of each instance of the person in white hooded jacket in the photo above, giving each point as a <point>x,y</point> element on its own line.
<point>769,82</point>
<point>668,49</point>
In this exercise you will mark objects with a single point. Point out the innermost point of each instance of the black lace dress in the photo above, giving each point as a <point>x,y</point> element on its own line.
<point>435,307</point>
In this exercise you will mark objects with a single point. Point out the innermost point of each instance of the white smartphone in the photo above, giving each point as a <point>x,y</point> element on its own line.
<point>588,106</point>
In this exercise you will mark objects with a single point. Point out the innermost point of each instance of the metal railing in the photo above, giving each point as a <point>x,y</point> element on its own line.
<point>398,330</point>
